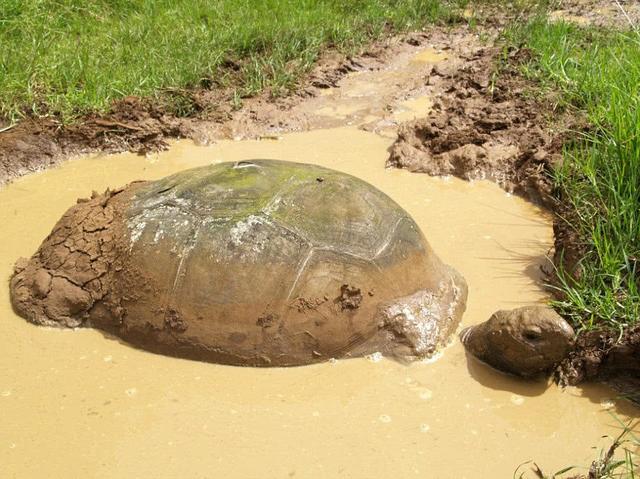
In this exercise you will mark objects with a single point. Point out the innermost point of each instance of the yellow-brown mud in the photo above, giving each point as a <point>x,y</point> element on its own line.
<point>77,404</point>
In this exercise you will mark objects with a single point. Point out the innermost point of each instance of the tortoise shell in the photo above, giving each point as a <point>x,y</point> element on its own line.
<point>265,263</point>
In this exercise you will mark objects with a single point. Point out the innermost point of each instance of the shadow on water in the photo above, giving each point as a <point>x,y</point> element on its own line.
<point>494,379</point>
<point>536,267</point>
<point>605,393</point>
<point>599,393</point>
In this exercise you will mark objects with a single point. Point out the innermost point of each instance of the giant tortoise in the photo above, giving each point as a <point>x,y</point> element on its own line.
<point>253,263</point>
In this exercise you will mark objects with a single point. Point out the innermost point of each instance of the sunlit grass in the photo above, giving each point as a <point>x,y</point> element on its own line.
<point>68,57</point>
<point>598,72</point>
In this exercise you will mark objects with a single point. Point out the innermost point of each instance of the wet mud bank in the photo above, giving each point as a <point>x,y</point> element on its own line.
<point>482,126</point>
<point>605,356</point>
<point>132,124</point>
<point>205,115</point>
<point>488,122</point>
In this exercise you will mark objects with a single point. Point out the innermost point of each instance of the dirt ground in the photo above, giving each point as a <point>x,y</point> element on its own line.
<point>465,86</point>
<point>146,125</point>
<point>484,126</point>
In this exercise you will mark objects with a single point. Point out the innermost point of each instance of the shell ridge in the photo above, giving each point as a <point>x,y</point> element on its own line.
<point>295,233</point>
<point>390,236</point>
<point>346,253</point>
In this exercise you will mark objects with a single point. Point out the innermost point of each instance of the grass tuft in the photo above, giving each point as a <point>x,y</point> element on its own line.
<point>618,461</point>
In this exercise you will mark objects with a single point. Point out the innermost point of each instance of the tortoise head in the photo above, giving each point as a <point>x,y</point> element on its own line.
<point>524,341</point>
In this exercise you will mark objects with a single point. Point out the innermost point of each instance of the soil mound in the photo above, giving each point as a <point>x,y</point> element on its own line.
<point>483,126</point>
<point>606,356</point>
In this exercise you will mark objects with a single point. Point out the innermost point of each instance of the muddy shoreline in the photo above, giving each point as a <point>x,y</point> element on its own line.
<point>484,123</point>
<point>492,124</point>
<point>146,125</point>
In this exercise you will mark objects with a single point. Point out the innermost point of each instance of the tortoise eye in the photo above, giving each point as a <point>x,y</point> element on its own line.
<point>532,334</point>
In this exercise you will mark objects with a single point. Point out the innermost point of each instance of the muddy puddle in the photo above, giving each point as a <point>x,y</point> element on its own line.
<point>77,404</point>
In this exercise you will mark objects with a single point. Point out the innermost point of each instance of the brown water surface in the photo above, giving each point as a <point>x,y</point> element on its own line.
<point>77,404</point>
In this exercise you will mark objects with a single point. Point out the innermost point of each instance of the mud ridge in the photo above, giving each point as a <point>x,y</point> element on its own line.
<point>488,122</point>
<point>131,124</point>
<point>484,125</point>
<point>609,356</point>
<point>204,114</point>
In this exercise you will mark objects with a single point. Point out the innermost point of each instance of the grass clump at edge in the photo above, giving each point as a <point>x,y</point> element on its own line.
<point>66,58</point>
<point>596,71</point>
<point>617,461</point>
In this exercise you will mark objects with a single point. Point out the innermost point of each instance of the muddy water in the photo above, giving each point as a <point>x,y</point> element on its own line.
<point>379,96</point>
<point>77,404</point>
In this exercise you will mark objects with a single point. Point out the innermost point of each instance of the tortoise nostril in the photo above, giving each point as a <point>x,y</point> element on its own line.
<point>464,335</point>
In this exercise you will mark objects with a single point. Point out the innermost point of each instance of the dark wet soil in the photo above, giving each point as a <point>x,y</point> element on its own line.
<point>486,124</point>
<point>609,356</point>
<point>131,124</point>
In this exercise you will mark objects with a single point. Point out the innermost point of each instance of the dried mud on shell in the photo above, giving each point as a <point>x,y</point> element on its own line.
<point>72,270</point>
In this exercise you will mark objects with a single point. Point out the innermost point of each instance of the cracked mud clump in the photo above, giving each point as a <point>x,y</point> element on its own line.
<point>252,263</point>
<point>72,270</point>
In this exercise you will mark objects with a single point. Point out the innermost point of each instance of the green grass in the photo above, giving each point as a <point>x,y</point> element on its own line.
<point>598,72</point>
<point>68,57</point>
